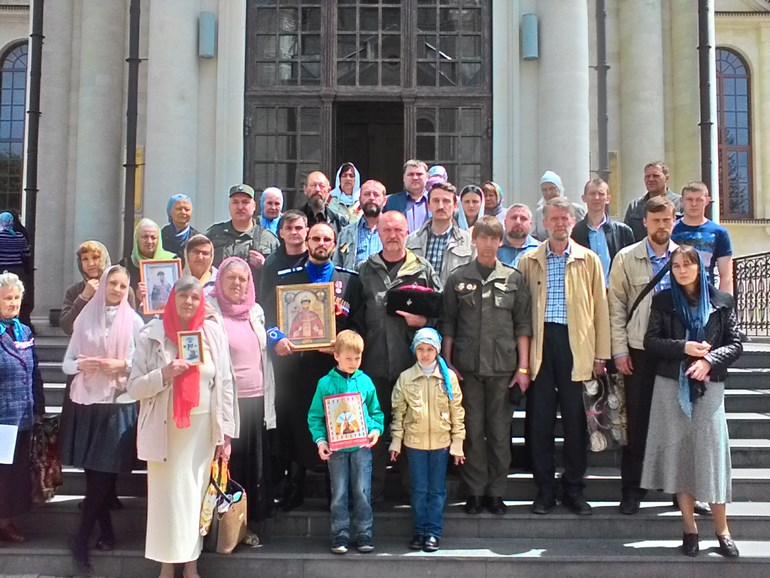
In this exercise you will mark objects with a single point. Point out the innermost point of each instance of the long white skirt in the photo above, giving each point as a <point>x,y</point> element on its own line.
<point>175,490</point>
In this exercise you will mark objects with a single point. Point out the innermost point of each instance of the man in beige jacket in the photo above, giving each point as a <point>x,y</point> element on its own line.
<point>571,328</point>
<point>633,268</point>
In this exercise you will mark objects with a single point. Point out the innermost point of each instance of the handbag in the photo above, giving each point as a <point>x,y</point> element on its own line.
<point>46,469</point>
<point>211,496</point>
<point>604,399</point>
<point>228,526</point>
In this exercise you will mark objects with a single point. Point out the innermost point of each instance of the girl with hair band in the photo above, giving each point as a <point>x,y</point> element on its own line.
<point>178,231</point>
<point>693,332</point>
<point>100,431</point>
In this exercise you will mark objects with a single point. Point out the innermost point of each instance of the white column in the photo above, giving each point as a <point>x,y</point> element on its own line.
<point>228,153</point>
<point>563,84</point>
<point>100,117</point>
<point>642,122</point>
<point>685,94</point>
<point>56,203</point>
<point>171,151</point>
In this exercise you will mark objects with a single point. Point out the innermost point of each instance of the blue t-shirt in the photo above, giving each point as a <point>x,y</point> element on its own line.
<point>712,241</point>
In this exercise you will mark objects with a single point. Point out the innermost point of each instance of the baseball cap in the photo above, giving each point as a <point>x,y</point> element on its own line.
<point>242,188</point>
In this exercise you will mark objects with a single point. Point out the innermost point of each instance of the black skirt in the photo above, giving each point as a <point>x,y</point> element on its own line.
<point>100,437</point>
<point>15,484</point>
<point>250,458</point>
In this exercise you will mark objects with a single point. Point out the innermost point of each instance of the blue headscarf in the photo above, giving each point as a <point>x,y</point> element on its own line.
<point>184,234</point>
<point>345,199</point>
<point>270,224</point>
<point>6,224</point>
<point>694,318</point>
<point>431,337</point>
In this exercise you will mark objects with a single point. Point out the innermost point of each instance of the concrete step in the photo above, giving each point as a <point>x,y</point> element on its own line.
<point>739,424</point>
<point>755,355</point>
<point>655,519</point>
<point>458,558</point>
<point>751,378</point>
<point>51,348</point>
<point>134,484</point>
<point>51,371</point>
<point>740,400</point>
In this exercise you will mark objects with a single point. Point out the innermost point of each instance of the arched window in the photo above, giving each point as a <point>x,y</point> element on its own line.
<point>13,96</point>
<point>734,121</point>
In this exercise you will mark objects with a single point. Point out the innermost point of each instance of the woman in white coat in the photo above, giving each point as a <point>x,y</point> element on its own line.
<point>233,305</point>
<point>187,417</point>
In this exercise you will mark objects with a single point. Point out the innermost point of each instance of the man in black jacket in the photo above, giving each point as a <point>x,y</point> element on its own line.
<point>317,191</point>
<point>597,231</point>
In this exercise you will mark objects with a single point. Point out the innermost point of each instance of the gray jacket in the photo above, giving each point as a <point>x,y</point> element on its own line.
<point>347,246</point>
<point>459,249</point>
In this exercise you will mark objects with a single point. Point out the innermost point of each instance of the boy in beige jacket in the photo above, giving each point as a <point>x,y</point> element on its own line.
<point>428,418</point>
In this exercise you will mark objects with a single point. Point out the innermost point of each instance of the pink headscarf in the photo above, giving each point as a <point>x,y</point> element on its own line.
<point>234,310</point>
<point>91,338</point>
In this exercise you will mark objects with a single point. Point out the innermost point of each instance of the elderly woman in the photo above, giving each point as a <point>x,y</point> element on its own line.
<point>234,307</point>
<point>147,247</point>
<point>344,197</point>
<point>199,256</point>
<point>100,420</point>
<point>693,334</point>
<point>270,207</point>
<point>472,203</point>
<point>178,231</point>
<point>21,402</point>
<point>187,416</point>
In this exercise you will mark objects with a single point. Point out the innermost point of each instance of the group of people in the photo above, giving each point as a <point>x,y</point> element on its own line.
<point>530,302</point>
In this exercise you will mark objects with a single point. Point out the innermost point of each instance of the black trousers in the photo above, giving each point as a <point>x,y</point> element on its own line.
<point>100,493</point>
<point>639,387</point>
<point>553,387</point>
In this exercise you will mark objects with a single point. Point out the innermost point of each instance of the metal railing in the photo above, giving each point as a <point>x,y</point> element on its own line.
<point>751,282</point>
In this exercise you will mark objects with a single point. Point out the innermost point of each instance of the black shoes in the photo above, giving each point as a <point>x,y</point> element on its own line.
<point>364,544</point>
<point>690,545</point>
<point>431,544</point>
<point>417,543</point>
<point>577,504</point>
<point>79,550</point>
<point>495,505</point>
<point>473,505</point>
<point>629,505</point>
<point>106,544</point>
<point>543,504</point>
<point>727,547</point>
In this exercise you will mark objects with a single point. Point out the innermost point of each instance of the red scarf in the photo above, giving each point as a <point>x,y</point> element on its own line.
<point>187,391</point>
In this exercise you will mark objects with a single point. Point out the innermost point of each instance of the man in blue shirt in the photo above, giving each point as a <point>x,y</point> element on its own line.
<point>360,239</point>
<point>517,240</point>
<point>413,201</point>
<point>712,241</point>
<point>597,231</point>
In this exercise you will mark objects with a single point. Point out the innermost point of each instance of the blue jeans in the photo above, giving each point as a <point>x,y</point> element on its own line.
<point>428,472</point>
<point>351,480</point>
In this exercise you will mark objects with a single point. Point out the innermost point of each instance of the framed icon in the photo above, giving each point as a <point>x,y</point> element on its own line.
<point>159,277</point>
<point>190,345</point>
<point>345,421</point>
<point>306,314</point>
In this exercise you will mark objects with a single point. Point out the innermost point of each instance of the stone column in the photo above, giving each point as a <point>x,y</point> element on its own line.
<point>642,122</point>
<point>171,150</point>
<point>100,114</point>
<point>759,101</point>
<point>563,84</point>
<point>56,203</point>
<point>685,94</point>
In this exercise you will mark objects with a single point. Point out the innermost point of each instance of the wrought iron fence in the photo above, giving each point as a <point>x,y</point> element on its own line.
<point>751,282</point>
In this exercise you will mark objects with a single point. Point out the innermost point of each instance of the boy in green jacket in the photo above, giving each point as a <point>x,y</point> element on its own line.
<point>350,468</point>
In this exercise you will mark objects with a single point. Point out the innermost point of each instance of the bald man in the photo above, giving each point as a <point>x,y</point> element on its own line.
<point>317,191</point>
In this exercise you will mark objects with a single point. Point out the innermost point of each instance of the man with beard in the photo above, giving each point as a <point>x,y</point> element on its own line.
<point>291,253</point>
<point>570,343</point>
<point>630,296</point>
<point>317,191</point>
<point>440,240</point>
<point>517,240</point>
<point>300,371</point>
<point>388,336</point>
<point>242,236</point>
<point>359,240</point>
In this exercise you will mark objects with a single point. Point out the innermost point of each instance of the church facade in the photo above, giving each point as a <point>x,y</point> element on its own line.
<point>264,91</point>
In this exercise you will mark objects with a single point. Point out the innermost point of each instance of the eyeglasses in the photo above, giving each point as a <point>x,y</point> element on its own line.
<point>322,239</point>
